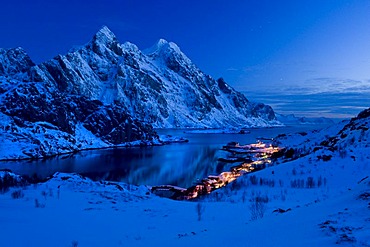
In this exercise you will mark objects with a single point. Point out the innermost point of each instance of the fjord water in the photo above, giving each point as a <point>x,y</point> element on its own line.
<point>179,164</point>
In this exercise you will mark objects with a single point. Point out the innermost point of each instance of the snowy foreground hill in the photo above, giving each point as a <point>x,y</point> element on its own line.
<point>106,93</point>
<point>316,193</point>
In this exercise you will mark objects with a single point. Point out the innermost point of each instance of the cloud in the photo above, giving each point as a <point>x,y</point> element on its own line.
<point>324,104</point>
<point>324,85</point>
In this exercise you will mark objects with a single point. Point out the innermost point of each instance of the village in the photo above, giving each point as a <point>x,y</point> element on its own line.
<point>256,156</point>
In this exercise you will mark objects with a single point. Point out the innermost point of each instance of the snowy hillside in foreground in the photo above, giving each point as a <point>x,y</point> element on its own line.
<point>304,198</point>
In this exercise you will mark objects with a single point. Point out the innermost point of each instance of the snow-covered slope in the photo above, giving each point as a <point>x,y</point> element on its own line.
<point>317,190</point>
<point>341,138</point>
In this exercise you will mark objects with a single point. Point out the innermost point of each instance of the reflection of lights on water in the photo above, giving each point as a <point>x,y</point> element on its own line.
<point>262,152</point>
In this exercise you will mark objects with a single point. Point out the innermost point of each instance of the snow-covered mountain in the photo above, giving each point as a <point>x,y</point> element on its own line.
<point>107,93</point>
<point>292,119</point>
<point>160,85</point>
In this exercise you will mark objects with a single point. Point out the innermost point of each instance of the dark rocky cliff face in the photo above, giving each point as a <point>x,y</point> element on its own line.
<point>54,122</point>
<point>27,103</point>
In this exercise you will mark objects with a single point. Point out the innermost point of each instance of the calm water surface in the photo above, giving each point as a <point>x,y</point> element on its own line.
<point>175,164</point>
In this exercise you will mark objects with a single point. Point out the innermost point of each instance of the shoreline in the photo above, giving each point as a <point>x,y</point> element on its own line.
<point>126,145</point>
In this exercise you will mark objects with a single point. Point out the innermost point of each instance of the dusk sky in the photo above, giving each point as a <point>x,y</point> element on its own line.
<point>283,47</point>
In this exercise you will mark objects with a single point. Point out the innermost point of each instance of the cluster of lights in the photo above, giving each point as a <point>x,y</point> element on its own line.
<point>262,152</point>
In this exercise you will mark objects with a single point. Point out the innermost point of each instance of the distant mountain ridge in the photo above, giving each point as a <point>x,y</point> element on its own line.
<point>114,93</point>
<point>292,119</point>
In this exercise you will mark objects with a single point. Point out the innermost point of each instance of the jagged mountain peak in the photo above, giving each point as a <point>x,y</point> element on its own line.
<point>16,49</point>
<point>105,35</point>
<point>105,40</point>
<point>128,46</point>
<point>14,61</point>
<point>170,54</point>
<point>13,54</point>
<point>162,41</point>
<point>153,50</point>
<point>163,44</point>
<point>164,47</point>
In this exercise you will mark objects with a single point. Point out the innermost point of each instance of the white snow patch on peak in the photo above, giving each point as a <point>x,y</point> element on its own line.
<point>163,45</point>
<point>19,48</point>
<point>161,42</point>
<point>128,46</point>
<point>158,46</point>
<point>104,30</point>
<point>175,47</point>
<point>105,35</point>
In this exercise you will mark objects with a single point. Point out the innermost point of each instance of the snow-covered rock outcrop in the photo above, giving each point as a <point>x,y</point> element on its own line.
<point>14,62</point>
<point>342,139</point>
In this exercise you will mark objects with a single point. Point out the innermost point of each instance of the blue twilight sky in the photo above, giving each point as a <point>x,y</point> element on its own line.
<point>276,47</point>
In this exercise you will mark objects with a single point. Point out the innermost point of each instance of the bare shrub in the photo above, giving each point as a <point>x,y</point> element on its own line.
<point>267,182</point>
<point>51,193</point>
<point>244,196</point>
<point>297,183</point>
<point>200,210</point>
<point>258,207</point>
<point>253,179</point>
<point>293,183</point>
<point>352,140</point>
<point>319,181</point>
<point>236,185</point>
<point>39,204</point>
<point>283,195</point>
<point>17,194</point>
<point>44,194</point>
<point>310,182</point>
<point>294,172</point>
<point>342,152</point>
<point>281,183</point>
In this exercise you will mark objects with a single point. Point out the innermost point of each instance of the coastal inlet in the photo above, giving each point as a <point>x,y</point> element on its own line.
<point>253,157</point>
